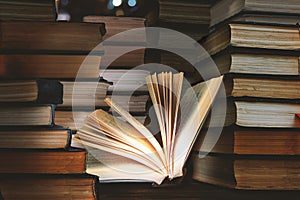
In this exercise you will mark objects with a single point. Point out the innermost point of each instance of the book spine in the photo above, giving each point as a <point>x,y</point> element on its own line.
<point>49,92</point>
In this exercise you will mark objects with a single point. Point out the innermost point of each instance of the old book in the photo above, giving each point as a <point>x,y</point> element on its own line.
<point>65,118</point>
<point>133,103</point>
<point>115,25</point>
<point>223,10</point>
<point>131,150</point>
<point>84,93</point>
<point>250,141</point>
<point>35,138</point>
<point>248,61</point>
<point>39,91</point>
<point>49,36</point>
<point>255,112</point>
<point>252,35</point>
<point>262,17</point>
<point>20,66</point>
<point>26,115</point>
<point>248,172</point>
<point>190,11</point>
<point>73,119</point>
<point>196,32</point>
<point>42,161</point>
<point>276,87</point>
<point>125,80</point>
<point>29,10</point>
<point>48,186</point>
<point>113,52</point>
<point>267,114</point>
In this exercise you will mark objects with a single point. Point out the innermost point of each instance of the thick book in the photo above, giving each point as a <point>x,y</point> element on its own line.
<point>263,17</point>
<point>257,61</point>
<point>252,35</point>
<point>29,10</point>
<point>131,150</point>
<point>38,91</point>
<point>248,172</point>
<point>133,103</point>
<point>54,66</point>
<point>23,114</point>
<point>190,11</point>
<point>19,186</point>
<point>73,119</point>
<point>42,161</point>
<point>35,138</point>
<point>250,141</point>
<point>196,32</point>
<point>82,93</point>
<point>49,36</point>
<point>275,87</point>
<point>258,112</point>
<point>223,10</point>
<point>65,118</point>
<point>125,80</point>
<point>115,25</point>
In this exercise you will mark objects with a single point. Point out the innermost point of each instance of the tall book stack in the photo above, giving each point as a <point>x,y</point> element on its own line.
<point>38,61</point>
<point>128,84</point>
<point>191,18</point>
<point>259,147</point>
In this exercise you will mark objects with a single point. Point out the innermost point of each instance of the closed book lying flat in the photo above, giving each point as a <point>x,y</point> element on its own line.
<point>268,18</point>
<point>82,93</point>
<point>73,119</point>
<point>125,80</point>
<point>42,161</point>
<point>265,113</point>
<point>35,138</point>
<point>126,61</point>
<point>30,187</point>
<point>29,10</point>
<point>39,91</point>
<point>248,172</point>
<point>257,61</point>
<point>49,66</point>
<point>49,36</point>
<point>250,141</point>
<point>115,25</point>
<point>184,12</point>
<point>278,87</point>
<point>223,10</point>
<point>26,115</point>
<point>66,119</point>
<point>253,36</point>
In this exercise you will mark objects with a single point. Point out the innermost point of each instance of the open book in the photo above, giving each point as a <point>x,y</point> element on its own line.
<point>129,151</point>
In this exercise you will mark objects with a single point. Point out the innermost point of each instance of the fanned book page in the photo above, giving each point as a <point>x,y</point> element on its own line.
<point>127,150</point>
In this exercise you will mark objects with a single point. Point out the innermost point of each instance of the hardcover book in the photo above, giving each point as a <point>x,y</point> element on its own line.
<point>39,91</point>
<point>225,9</point>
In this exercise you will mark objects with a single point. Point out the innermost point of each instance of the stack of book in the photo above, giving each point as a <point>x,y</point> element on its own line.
<point>259,146</point>
<point>36,156</point>
<point>38,162</point>
<point>128,84</point>
<point>191,18</point>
